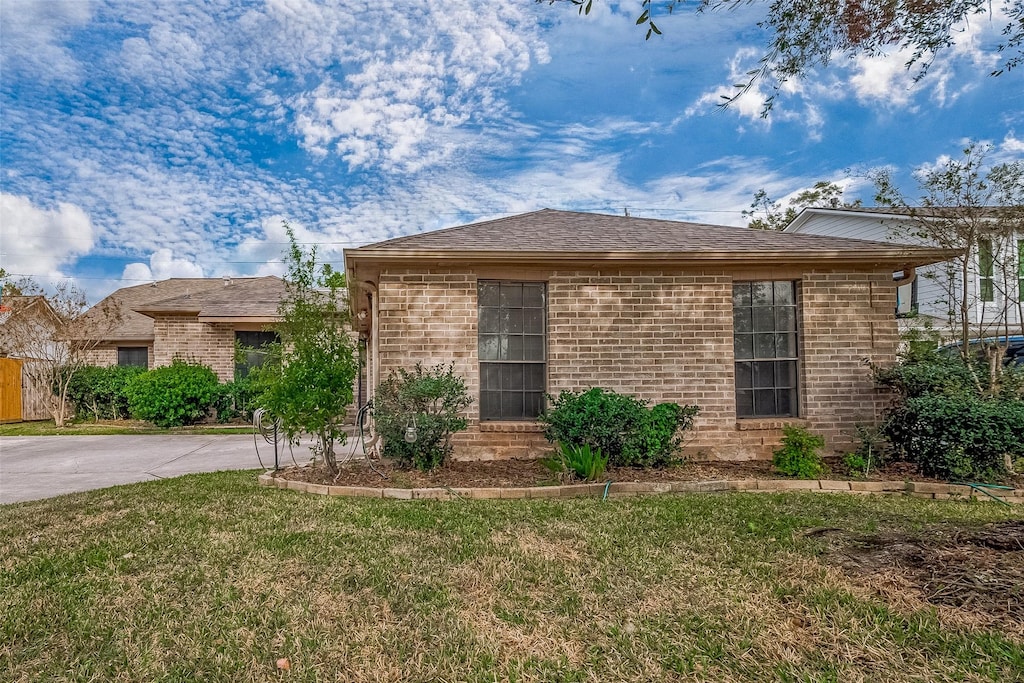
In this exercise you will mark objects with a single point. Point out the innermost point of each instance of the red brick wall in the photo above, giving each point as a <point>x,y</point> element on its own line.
<point>663,336</point>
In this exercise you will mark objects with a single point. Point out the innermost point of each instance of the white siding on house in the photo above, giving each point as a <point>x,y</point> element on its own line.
<point>933,287</point>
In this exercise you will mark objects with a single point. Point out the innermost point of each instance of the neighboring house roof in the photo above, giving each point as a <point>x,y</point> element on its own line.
<point>21,318</point>
<point>896,213</point>
<point>212,299</point>
<point>558,237</point>
<point>249,299</point>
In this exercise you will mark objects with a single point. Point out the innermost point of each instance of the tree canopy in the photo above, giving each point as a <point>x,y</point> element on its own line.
<point>804,34</point>
<point>766,214</point>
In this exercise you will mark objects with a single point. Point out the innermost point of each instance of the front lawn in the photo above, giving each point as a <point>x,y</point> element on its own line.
<point>210,577</point>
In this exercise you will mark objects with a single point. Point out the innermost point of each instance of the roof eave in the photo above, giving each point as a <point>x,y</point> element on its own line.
<point>915,256</point>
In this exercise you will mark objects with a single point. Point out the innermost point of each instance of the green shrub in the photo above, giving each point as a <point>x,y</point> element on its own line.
<point>429,400</point>
<point>99,393</point>
<point>798,455</point>
<point>957,436</point>
<point>619,426</point>
<point>582,462</point>
<point>236,400</point>
<point>857,464</point>
<point>174,395</point>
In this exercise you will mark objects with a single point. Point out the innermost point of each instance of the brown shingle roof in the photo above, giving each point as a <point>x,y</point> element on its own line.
<point>244,297</point>
<point>549,231</point>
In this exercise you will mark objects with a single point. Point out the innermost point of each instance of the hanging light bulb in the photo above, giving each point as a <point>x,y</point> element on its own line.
<point>410,432</point>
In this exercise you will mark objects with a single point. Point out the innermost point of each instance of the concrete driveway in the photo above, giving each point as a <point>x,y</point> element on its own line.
<point>33,467</point>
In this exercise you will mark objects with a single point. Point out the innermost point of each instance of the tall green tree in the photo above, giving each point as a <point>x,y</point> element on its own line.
<point>307,381</point>
<point>766,214</point>
<point>804,34</point>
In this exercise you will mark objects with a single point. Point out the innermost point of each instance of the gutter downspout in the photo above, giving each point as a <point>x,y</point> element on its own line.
<point>909,275</point>
<point>373,367</point>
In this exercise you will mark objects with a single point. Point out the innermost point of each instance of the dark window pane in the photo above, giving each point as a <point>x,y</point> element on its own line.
<point>785,345</point>
<point>764,402</point>
<point>785,294</point>
<point>134,356</point>
<point>514,321</point>
<point>489,347</point>
<point>487,294</point>
<point>512,405</point>
<point>786,401</point>
<point>764,319</point>
<point>533,295</point>
<point>785,319</point>
<point>533,379</point>
<point>745,403</point>
<point>741,294</point>
<point>742,320</point>
<point>534,404</point>
<point>488,321</point>
<point>256,340</point>
<point>785,374</point>
<point>764,375</point>
<point>511,295</point>
<point>744,346</point>
<point>533,347</point>
<point>744,376</point>
<point>764,346</point>
<point>490,376</point>
<point>490,405</point>
<point>761,293</point>
<point>533,321</point>
<point>515,348</point>
<point>511,377</point>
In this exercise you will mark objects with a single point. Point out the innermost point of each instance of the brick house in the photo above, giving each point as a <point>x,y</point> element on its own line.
<point>757,328</point>
<point>196,319</point>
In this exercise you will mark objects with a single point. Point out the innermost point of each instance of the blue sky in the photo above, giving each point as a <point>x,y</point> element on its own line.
<point>145,140</point>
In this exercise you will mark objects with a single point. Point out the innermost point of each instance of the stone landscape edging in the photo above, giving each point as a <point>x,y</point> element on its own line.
<point>619,489</point>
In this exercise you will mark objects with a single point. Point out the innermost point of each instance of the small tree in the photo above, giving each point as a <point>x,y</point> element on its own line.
<point>53,333</point>
<point>427,401</point>
<point>307,380</point>
<point>977,208</point>
<point>766,214</point>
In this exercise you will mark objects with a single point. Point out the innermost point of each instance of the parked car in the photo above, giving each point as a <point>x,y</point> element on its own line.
<point>1013,354</point>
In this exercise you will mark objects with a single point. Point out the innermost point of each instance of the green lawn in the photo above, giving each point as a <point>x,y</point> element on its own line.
<point>209,577</point>
<point>47,428</point>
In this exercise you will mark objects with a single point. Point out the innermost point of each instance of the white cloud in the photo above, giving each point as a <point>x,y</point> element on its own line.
<point>31,33</point>
<point>39,241</point>
<point>162,265</point>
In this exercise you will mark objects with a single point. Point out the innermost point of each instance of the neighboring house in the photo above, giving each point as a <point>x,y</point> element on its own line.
<point>27,327</point>
<point>195,319</point>
<point>759,329</point>
<point>996,268</point>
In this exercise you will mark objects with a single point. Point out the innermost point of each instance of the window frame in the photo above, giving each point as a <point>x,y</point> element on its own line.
<point>986,271</point>
<point>255,356</point>
<point>756,349</point>
<point>124,354</point>
<point>508,353</point>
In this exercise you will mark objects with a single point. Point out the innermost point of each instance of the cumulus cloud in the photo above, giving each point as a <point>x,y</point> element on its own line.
<point>39,241</point>
<point>162,265</point>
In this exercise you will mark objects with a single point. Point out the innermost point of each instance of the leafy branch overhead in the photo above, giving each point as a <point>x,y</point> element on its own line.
<point>804,34</point>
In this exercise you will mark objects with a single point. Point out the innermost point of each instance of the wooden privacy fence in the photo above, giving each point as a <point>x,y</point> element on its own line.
<point>20,397</point>
<point>10,390</point>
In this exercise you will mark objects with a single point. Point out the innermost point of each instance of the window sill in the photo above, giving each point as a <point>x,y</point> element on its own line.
<point>754,424</point>
<point>496,426</point>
